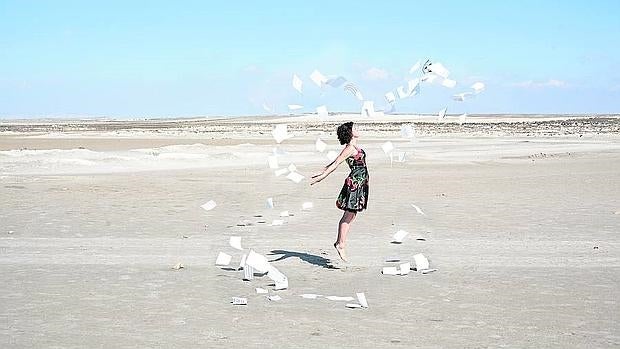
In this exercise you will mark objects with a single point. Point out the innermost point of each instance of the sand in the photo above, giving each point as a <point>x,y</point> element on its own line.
<point>520,222</point>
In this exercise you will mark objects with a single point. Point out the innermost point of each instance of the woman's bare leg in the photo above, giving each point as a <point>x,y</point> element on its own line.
<point>343,230</point>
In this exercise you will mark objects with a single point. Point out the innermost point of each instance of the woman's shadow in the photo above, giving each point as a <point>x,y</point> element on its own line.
<point>308,258</point>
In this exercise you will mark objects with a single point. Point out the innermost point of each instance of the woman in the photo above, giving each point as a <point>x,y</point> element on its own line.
<point>353,197</point>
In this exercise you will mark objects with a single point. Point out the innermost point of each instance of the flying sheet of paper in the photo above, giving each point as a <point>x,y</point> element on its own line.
<point>462,118</point>
<point>267,108</point>
<point>448,83</point>
<point>390,97</point>
<point>297,83</point>
<point>284,214</point>
<point>429,78</point>
<point>235,242</point>
<point>239,301</point>
<point>273,162</point>
<point>318,78</point>
<point>261,290</point>
<point>361,298</point>
<point>209,205</point>
<point>359,96</point>
<point>402,94</point>
<point>353,305</point>
<point>321,112</point>
<point>405,268</point>
<point>269,202</point>
<point>338,298</point>
<point>478,87</point>
<point>387,147</point>
<point>280,133</point>
<point>415,67</point>
<point>223,259</point>
<point>307,206</point>
<point>320,145</point>
<point>257,261</point>
<point>460,97</point>
<point>295,177</point>
<point>368,108</point>
<point>420,262</point>
<point>336,81</point>
<point>389,271</point>
<point>417,209</point>
<point>442,113</point>
<point>439,69</point>
<point>295,106</point>
<point>399,236</point>
<point>331,155</point>
<point>280,172</point>
<point>292,167</point>
<point>412,86</point>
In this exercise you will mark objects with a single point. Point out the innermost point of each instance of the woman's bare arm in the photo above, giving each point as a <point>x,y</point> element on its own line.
<point>344,154</point>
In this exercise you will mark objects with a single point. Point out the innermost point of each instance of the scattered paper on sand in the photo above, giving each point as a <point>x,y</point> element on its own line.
<point>261,290</point>
<point>248,272</point>
<point>399,236</point>
<point>361,298</point>
<point>239,301</point>
<point>320,145</point>
<point>280,133</point>
<point>352,305</point>
<point>274,298</point>
<point>407,131</point>
<point>284,214</point>
<point>307,206</point>
<point>387,147</point>
<point>417,209</point>
<point>277,222</point>
<point>405,268</point>
<point>280,172</point>
<point>389,271</point>
<point>428,271</point>
<point>235,242</point>
<point>223,259</point>
<point>295,177</point>
<point>310,295</point>
<point>257,261</point>
<point>242,262</point>
<point>178,266</point>
<point>338,298</point>
<point>292,167</point>
<point>209,205</point>
<point>420,262</point>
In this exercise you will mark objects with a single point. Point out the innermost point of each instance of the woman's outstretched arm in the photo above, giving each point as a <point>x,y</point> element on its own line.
<point>345,153</point>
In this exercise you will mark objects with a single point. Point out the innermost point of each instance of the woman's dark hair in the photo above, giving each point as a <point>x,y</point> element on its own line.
<point>345,132</point>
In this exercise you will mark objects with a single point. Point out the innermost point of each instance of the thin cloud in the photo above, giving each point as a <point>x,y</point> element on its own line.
<point>531,84</point>
<point>376,74</point>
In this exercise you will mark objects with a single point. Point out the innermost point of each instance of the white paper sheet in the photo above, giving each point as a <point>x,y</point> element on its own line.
<point>389,271</point>
<point>420,262</point>
<point>318,78</point>
<point>338,298</point>
<point>280,172</point>
<point>320,145</point>
<point>272,160</point>
<point>257,261</point>
<point>390,97</point>
<point>321,112</point>
<point>209,205</point>
<point>462,118</point>
<point>307,206</point>
<point>414,68</point>
<point>239,301</point>
<point>335,81</point>
<point>417,209</point>
<point>277,222</point>
<point>248,273</point>
<point>361,298</point>
<point>269,202</point>
<point>261,290</point>
<point>297,83</point>
<point>284,214</point>
<point>478,87</point>
<point>405,268</point>
<point>223,259</point>
<point>407,131</point>
<point>235,242</point>
<point>399,236</point>
<point>280,133</point>
<point>387,147</point>
<point>310,296</point>
<point>242,262</point>
<point>295,177</point>
<point>353,305</point>
<point>448,83</point>
<point>439,69</point>
<point>274,298</point>
<point>295,107</point>
<point>442,113</point>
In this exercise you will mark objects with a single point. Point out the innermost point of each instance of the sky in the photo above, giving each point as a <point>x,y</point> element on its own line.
<point>142,59</point>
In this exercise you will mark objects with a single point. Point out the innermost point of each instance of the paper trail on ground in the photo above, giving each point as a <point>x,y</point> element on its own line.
<point>273,162</point>
<point>387,147</point>
<point>405,268</point>
<point>338,298</point>
<point>399,236</point>
<point>297,83</point>
<point>307,206</point>
<point>239,301</point>
<point>280,133</point>
<point>235,242</point>
<point>257,261</point>
<point>269,202</point>
<point>320,145</point>
<point>420,262</point>
<point>389,271</point>
<point>261,290</point>
<point>295,106</point>
<point>417,209</point>
<point>209,205</point>
<point>331,155</point>
<point>361,298</point>
<point>223,259</point>
<point>321,112</point>
<point>318,78</point>
<point>280,172</point>
<point>295,177</point>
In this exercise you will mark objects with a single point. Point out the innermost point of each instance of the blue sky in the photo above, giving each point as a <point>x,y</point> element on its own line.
<point>129,59</point>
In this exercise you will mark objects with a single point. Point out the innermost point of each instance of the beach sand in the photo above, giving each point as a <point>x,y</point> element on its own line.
<point>522,222</point>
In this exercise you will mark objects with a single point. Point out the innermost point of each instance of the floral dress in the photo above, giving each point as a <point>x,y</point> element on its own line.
<point>354,193</point>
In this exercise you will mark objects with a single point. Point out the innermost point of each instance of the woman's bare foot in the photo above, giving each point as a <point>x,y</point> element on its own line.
<point>341,252</point>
